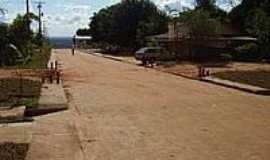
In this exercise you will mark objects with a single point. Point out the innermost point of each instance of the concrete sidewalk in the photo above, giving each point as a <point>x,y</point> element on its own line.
<point>52,136</point>
<point>238,86</point>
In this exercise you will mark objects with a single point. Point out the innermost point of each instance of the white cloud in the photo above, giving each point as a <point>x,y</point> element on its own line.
<point>69,20</point>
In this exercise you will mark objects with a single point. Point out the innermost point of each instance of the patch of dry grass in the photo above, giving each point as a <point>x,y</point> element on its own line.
<point>13,151</point>
<point>260,78</point>
<point>16,92</point>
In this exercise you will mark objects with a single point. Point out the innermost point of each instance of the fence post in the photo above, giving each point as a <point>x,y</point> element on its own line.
<point>51,65</point>
<point>200,71</point>
<point>58,77</point>
<point>56,65</point>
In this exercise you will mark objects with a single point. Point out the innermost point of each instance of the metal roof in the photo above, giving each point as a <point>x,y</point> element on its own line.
<point>83,37</point>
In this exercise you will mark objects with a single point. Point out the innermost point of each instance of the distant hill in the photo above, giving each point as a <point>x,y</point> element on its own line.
<point>61,42</point>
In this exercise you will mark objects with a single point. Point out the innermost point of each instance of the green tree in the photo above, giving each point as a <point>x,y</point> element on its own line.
<point>213,9</point>
<point>200,24</point>
<point>128,23</point>
<point>206,4</point>
<point>201,27</point>
<point>20,35</point>
<point>258,25</point>
<point>3,42</point>
<point>8,52</point>
<point>83,32</point>
<point>16,41</point>
<point>253,17</point>
<point>239,14</point>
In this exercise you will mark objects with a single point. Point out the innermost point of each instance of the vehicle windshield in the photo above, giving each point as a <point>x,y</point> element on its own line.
<point>142,50</point>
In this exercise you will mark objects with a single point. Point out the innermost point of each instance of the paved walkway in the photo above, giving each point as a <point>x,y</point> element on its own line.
<point>123,111</point>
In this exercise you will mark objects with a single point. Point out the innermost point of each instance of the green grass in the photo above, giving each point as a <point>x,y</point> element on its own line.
<point>260,78</point>
<point>12,94</point>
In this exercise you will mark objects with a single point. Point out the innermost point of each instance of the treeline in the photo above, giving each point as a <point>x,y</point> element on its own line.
<point>127,24</point>
<point>18,43</point>
<point>253,17</point>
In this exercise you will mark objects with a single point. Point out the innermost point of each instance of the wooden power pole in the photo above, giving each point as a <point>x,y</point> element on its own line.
<point>40,14</point>
<point>27,15</point>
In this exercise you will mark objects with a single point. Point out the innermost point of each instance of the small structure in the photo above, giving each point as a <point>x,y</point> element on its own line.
<point>82,41</point>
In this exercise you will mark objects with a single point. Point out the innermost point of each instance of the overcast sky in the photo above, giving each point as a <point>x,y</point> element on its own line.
<point>64,17</point>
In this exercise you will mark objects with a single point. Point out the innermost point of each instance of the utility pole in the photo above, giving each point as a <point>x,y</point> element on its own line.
<point>27,15</point>
<point>40,14</point>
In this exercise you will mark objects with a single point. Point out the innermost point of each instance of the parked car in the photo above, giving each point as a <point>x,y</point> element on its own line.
<point>152,54</point>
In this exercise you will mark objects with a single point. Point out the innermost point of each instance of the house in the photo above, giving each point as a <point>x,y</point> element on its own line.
<point>179,40</point>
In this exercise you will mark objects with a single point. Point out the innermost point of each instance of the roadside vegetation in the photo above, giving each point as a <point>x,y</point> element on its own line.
<point>20,46</point>
<point>20,49</point>
<point>18,92</point>
<point>126,25</point>
<point>259,78</point>
<point>13,151</point>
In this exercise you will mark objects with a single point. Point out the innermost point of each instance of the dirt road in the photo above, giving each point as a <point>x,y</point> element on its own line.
<point>126,112</point>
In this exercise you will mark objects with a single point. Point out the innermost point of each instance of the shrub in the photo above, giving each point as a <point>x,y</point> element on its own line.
<point>247,52</point>
<point>226,57</point>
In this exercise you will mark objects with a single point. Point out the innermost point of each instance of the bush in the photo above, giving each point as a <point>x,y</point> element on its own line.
<point>247,52</point>
<point>226,57</point>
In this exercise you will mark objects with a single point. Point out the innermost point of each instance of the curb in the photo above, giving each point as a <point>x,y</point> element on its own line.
<point>237,86</point>
<point>108,57</point>
<point>52,99</point>
<point>113,58</point>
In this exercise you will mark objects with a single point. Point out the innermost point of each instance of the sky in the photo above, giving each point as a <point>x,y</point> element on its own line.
<point>64,17</point>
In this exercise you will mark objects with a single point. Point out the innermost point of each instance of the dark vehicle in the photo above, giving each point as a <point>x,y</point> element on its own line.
<point>149,55</point>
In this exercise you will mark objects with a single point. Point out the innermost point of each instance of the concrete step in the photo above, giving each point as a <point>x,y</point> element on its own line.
<point>52,99</point>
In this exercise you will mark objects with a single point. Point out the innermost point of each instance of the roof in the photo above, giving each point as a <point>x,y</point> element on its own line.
<point>83,37</point>
<point>240,38</point>
<point>165,37</point>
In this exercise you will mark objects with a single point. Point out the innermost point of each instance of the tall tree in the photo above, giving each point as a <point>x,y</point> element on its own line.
<point>253,17</point>
<point>206,4</point>
<point>128,23</point>
<point>240,13</point>
<point>19,34</point>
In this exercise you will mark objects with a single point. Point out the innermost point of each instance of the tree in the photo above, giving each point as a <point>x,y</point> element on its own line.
<point>258,25</point>
<point>83,32</point>
<point>16,42</point>
<point>200,23</point>
<point>128,23</point>
<point>253,17</point>
<point>3,42</point>
<point>239,14</point>
<point>214,11</point>
<point>206,4</point>
<point>200,27</point>
<point>20,35</point>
